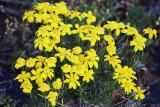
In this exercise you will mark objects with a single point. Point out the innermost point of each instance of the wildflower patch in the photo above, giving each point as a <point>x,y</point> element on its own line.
<point>78,64</point>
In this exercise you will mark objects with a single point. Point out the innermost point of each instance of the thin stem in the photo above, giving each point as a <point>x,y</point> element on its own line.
<point>122,101</point>
<point>45,101</point>
<point>61,104</point>
<point>32,99</point>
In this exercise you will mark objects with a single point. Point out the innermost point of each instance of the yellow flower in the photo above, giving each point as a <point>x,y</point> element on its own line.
<point>112,25</point>
<point>47,72</point>
<point>79,29</point>
<point>31,62</point>
<point>42,7</point>
<point>129,73</point>
<point>111,49</point>
<point>130,31</point>
<point>55,36</point>
<point>52,96</point>
<point>74,69</point>
<point>57,84</point>
<point>29,16</point>
<point>63,53</point>
<point>19,63</point>
<point>124,72</point>
<point>23,76</point>
<point>90,17</point>
<point>138,42</point>
<point>65,29</point>
<point>99,30</point>
<point>37,75</point>
<point>61,8</point>
<point>92,63</point>
<point>51,62</point>
<point>151,32</point>
<point>113,60</point>
<point>41,17</point>
<point>91,33</point>
<point>93,38</point>
<point>139,93</point>
<point>91,53</point>
<point>81,58</point>
<point>128,86</point>
<point>109,39</point>
<point>38,43</point>
<point>47,43</point>
<point>73,58</point>
<point>75,14</point>
<point>66,68</point>
<point>92,58</point>
<point>43,31</point>
<point>54,21</point>
<point>40,61</point>
<point>88,29</point>
<point>118,73</point>
<point>72,79</point>
<point>77,50</point>
<point>43,87</point>
<point>27,86</point>
<point>81,68</point>
<point>88,75</point>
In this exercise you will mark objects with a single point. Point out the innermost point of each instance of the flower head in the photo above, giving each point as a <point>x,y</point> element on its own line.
<point>20,63</point>
<point>139,93</point>
<point>113,60</point>
<point>72,79</point>
<point>151,32</point>
<point>23,76</point>
<point>27,86</point>
<point>88,75</point>
<point>57,84</point>
<point>138,42</point>
<point>52,96</point>
<point>43,87</point>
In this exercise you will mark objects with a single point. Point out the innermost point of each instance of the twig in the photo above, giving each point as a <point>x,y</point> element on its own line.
<point>126,100</point>
<point>61,104</point>
<point>120,102</point>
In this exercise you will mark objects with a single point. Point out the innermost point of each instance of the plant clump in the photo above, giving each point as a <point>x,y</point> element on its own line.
<point>77,64</point>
